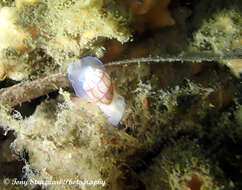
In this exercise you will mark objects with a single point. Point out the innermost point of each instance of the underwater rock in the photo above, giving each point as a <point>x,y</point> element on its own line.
<point>2,71</point>
<point>150,14</point>
<point>160,107</point>
<point>62,30</point>
<point>90,148</point>
<point>78,26</point>
<point>155,116</point>
<point>20,3</point>
<point>236,65</point>
<point>182,122</point>
<point>219,32</point>
<point>114,50</point>
<point>7,3</point>
<point>183,166</point>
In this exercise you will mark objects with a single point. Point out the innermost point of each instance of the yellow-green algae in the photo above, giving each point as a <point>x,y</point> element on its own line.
<point>183,166</point>
<point>51,34</point>
<point>219,27</point>
<point>67,138</point>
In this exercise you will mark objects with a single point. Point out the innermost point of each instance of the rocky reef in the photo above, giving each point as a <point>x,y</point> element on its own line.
<point>177,69</point>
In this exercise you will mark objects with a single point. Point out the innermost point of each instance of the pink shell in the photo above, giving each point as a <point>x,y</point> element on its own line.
<point>98,86</point>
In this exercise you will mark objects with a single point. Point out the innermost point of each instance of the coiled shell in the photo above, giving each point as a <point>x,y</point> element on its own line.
<point>98,86</point>
<point>89,79</point>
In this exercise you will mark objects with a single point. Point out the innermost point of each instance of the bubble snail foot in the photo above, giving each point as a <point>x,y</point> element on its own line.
<point>89,79</point>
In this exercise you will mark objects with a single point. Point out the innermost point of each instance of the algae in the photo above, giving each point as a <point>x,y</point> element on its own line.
<point>182,124</point>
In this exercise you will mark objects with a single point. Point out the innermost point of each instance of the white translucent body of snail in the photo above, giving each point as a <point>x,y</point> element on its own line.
<point>115,110</point>
<point>87,73</point>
